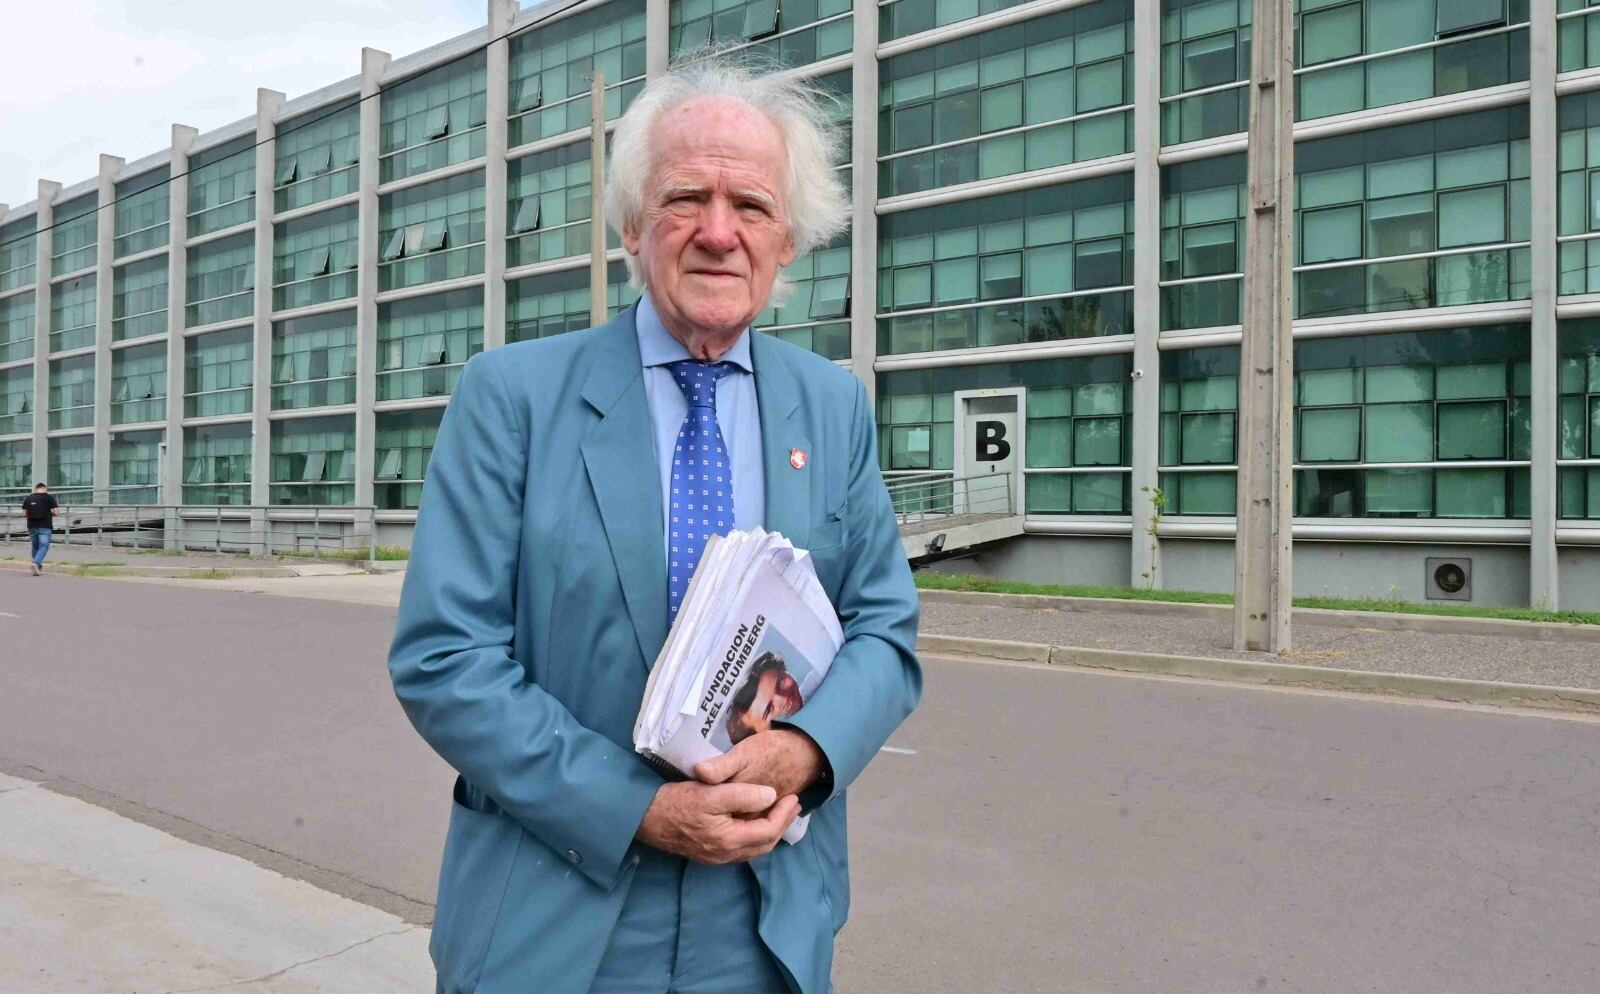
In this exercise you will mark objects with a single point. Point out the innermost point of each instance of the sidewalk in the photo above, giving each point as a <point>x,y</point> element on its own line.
<point>1204,631</point>
<point>92,901</point>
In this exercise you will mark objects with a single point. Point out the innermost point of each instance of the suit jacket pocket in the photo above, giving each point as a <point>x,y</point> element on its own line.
<point>479,851</point>
<point>828,550</point>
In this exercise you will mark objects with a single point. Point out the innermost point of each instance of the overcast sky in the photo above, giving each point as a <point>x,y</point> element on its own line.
<point>82,77</point>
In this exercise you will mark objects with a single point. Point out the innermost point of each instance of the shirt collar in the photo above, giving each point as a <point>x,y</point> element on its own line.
<point>657,347</point>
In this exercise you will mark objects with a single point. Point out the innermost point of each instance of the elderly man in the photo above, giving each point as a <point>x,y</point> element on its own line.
<point>552,550</point>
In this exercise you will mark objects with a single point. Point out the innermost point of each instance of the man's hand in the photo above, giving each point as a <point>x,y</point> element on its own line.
<point>726,823</point>
<point>784,759</point>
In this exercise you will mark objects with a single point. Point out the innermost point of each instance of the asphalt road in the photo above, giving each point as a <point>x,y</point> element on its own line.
<point>1035,830</point>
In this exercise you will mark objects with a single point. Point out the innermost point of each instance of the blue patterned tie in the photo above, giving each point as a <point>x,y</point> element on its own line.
<point>702,475</point>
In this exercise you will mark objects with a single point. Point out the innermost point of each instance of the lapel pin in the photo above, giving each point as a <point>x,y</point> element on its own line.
<point>797,458</point>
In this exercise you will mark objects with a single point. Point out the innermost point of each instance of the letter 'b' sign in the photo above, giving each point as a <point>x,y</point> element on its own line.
<point>992,444</point>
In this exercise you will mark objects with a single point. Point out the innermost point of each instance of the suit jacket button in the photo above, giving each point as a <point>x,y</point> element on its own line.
<point>573,857</point>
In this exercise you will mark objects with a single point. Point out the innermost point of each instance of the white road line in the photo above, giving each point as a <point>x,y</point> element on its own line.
<point>7,614</point>
<point>899,752</point>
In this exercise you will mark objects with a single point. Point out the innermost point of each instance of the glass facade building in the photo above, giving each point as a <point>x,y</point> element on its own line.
<point>1042,211</point>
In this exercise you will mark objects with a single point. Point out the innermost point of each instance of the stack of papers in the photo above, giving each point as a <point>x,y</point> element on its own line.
<point>754,638</point>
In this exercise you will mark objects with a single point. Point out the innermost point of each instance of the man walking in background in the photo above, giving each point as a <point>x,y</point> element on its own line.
<point>40,508</point>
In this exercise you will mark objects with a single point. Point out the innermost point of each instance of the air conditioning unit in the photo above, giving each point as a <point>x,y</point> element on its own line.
<point>1449,579</point>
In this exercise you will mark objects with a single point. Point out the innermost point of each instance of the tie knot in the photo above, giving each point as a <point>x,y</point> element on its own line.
<point>698,380</point>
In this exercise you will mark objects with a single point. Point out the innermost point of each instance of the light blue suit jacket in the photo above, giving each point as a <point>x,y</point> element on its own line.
<point>535,605</point>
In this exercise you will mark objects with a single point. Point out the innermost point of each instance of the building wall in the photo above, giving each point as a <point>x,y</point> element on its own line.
<point>1056,205</point>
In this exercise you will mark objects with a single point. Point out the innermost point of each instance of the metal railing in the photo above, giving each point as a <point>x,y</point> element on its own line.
<point>238,529</point>
<point>917,500</point>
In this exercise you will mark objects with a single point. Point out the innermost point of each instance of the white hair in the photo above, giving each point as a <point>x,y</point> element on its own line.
<point>818,204</point>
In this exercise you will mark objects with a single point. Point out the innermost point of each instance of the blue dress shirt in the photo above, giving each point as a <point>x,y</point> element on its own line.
<point>737,415</point>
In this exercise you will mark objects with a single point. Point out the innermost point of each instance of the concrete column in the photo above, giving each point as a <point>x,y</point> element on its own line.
<point>1146,292</point>
<point>183,138</point>
<point>501,13</point>
<point>105,248</point>
<point>657,28</point>
<point>864,197</point>
<point>1543,580</point>
<point>44,217</point>
<point>1264,542</point>
<point>373,63</point>
<point>268,103</point>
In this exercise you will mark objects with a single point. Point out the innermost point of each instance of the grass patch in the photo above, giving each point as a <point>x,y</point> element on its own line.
<point>989,585</point>
<point>1449,610</point>
<point>96,569</point>
<point>384,553</point>
<point>208,574</point>
<point>982,584</point>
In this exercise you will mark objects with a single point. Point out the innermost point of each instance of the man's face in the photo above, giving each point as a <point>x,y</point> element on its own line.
<point>777,696</point>
<point>715,229</point>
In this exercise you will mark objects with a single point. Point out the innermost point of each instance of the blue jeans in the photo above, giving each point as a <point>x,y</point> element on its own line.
<point>40,539</point>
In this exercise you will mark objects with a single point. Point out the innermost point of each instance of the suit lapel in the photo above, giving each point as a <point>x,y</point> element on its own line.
<point>783,433</point>
<point>620,458</point>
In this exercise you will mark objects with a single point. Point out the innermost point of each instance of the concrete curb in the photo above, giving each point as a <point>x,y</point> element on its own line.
<point>1486,692</point>
<point>382,565</point>
<point>1539,631</point>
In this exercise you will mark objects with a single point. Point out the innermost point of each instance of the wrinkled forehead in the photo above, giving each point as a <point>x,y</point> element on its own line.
<point>720,130</point>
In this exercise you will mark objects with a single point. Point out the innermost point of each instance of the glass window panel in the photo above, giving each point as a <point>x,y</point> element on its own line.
<point>1472,217</point>
<point>1210,250</point>
<point>1472,166</point>
<point>1002,276</point>
<point>1399,383</point>
<point>1049,493</point>
<point>1097,441</point>
<point>1002,107</point>
<point>1100,86</point>
<point>1398,177</point>
<point>1472,278</point>
<point>1466,15</point>
<point>909,447</point>
<point>1399,433</point>
<point>1326,35</point>
<point>1460,381</point>
<point>1099,493</point>
<point>913,127</point>
<point>1049,442</point>
<point>1400,78</point>
<point>1210,61</point>
<point>955,281</point>
<point>1472,430</point>
<point>1331,186</point>
<point>1330,435</point>
<point>1331,91</point>
<point>1098,398</point>
<point>1207,493</point>
<point>1213,393</point>
<point>1400,226</point>
<point>1470,493</point>
<point>1208,438</point>
<point>1203,206</point>
<point>1400,23</point>
<point>1330,235</point>
<point>1399,493</point>
<point>913,287</point>
<point>1098,263</point>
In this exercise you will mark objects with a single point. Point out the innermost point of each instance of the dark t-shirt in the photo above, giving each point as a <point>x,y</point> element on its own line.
<point>38,507</point>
